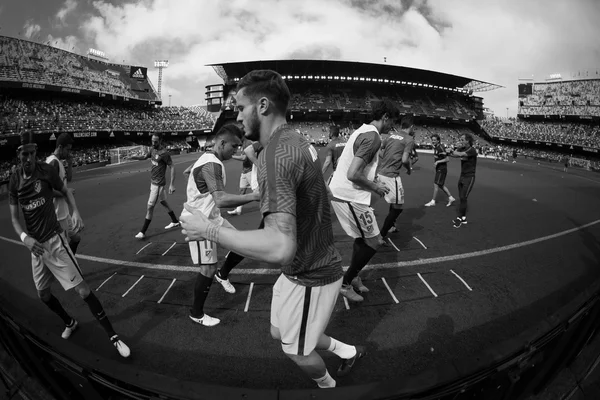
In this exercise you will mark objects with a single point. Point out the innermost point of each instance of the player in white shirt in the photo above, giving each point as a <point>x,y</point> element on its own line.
<point>64,142</point>
<point>351,186</point>
<point>206,193</point>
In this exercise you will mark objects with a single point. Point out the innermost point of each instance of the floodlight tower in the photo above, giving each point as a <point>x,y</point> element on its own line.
<point>160,64</point>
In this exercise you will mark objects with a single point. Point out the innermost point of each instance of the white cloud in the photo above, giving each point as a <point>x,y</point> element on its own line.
<point>68,43</point>
<point>496,41</point>
<point>30,29</point>
<point>67,8</point>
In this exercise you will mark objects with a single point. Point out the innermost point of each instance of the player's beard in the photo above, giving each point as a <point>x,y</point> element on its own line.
<point>253,132</point>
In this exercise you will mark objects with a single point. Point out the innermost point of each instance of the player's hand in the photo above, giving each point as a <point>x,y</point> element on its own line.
<point>382,189</point>
<point>77,222</point>
<point>72,191</point>
<point>34,246</point>
<point>408,170</point>
<point>194,224</point>
<point>171,189</point>
<point>255,196</point>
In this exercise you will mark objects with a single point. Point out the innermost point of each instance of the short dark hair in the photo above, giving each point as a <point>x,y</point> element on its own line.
<point>469,138</point>
<point>229,130</point>
<point>385,106</point>
<point>157,134</point>
<point>266,83</point>
<point>64,139</point>
<point>435,135</point>
<point>407,122</point>
<point>334,130</point>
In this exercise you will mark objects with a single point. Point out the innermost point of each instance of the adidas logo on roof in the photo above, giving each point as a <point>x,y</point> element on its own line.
<point>138,74</point>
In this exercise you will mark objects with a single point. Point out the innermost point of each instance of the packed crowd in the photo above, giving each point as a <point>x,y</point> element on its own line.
<point>563,98</point>
<point>555,132</point>
<point>69,116</point>
<point>32,62</point>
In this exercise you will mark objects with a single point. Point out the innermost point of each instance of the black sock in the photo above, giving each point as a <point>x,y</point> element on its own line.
<point>231,261</point>
<point>361,254</point>
<point>390,220</point>
<point>146,225</point>
<point>201,289</point>
<point>462,208</point>
<point>173,217</point>
<point>73,245</point>
<point>58,309</point>
<point>98,312</point>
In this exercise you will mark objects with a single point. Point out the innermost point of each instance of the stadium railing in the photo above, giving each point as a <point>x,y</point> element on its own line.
<point>515,369</point>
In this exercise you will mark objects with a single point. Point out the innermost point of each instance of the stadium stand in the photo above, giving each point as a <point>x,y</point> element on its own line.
<point>579,97</point>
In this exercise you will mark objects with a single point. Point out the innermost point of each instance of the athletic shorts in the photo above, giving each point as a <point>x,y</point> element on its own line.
<point>396,193</point>
<point>205,251</point>
<point>301,313</point>
<point>157,193</point>
<point>246,180</point>
<point>440,177</point>
<point>465,185</point>
<point>357,220</point>
<point>57,263</point>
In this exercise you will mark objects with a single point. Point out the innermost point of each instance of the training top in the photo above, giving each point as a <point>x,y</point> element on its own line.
<point>160,159</point>
<point>335,149</point>
<point>468,163</point>
<point>207,176</point>
<point>439,153</point>
<point>393,147</point>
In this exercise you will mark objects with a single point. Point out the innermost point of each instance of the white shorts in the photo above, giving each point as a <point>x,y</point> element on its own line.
<point>57,262</point>
<point>157,193</point>
<point>396,193</point>
<point>246,180</point>
<point>301,313</point>
<point>357,220</point>
<point>204,251</point>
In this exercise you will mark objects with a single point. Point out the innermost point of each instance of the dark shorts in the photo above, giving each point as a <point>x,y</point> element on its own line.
<point>465,184</point>
<point>440,177</point>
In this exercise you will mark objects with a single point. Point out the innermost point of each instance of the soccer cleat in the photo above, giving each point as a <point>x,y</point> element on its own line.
<point>69,329</point>
<point>348,292</point>
<point>464,220</point>
<point>450,201</point>
<point>121,347</point>
<point>140,235</point>
<point>358,285</point>
<point>229,288</point>
<point>347,365</point>
<point>457,222</point>
<point>430,204</point>
<point>235,212</point>
<point>206,320</point>
<point>173,225</point>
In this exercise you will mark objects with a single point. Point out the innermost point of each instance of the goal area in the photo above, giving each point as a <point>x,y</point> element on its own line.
<point>119,155</point>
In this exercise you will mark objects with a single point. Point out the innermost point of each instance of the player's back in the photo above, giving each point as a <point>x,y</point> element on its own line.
<point>291,181</point>
<point>393,148</point>
<point>335,149</point>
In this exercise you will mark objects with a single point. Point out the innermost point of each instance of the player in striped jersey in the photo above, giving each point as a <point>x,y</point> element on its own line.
<point>297,232</point>
<point>206,194</point>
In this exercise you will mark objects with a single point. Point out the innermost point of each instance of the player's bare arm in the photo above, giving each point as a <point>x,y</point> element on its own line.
<point>240,157</point>
<point>275,244</point>
<point>188,171</point>
<point>326,164</point>
<point>77,221</point>
<point>356,175</point>
<point>33,245</point>
<point>251,154</point>
<point>172,185</point>
<point>224,200</point>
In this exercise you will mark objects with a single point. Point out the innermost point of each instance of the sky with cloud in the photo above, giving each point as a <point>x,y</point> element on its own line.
<point>497,41</point>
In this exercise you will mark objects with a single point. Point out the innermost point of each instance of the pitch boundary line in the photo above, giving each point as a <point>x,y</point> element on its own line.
<point>391,265</point>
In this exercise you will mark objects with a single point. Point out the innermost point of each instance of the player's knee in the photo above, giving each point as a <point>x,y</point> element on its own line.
<point>164,203</point>
<point>374,242</point>
<point>275,334</point>
<point>45,295</point>
<point>441,186</point>
<point>83,290</point>
<point>208,270</point>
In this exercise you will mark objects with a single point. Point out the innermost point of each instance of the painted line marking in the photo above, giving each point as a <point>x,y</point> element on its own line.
<point>427,284</point>
<point>249,296</point>
<point>107,279</point>
<point>346,302</point>
<point>140,250</point>
<point>462,280</point>
<point>173,245</point>
<point>390,290</point>
<point>392,243</point>
<point>273,271</point>
<point>425,247</point>
<point>167,291</point>
<point>132,286</point>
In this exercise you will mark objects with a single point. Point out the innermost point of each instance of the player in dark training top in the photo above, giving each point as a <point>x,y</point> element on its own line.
<point>161,159</point>
<point>334,150</point>
<point>31,189</point>
<point>440,161</point>
<point>468,164</point>
<point>297,232</point>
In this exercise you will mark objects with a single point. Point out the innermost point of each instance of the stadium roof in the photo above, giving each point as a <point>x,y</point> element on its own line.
<point>229,71</point>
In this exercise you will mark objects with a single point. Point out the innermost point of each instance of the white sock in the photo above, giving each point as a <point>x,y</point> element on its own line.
<point>239,209</point>
<point>464,218</point>
<point>326,381</point>
<point>342,350</point>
